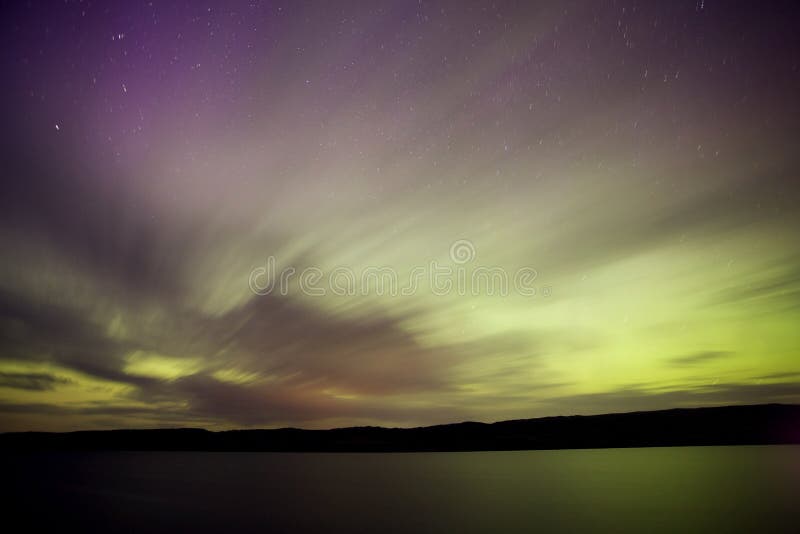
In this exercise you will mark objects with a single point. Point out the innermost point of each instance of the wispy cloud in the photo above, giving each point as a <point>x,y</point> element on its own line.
<point>699,358</point>
<point>31,381</point>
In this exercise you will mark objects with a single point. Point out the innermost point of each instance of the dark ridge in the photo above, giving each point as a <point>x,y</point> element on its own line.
<point>766,424</point>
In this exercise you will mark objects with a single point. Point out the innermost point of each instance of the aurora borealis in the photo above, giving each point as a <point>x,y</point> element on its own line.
<point>642,157</point>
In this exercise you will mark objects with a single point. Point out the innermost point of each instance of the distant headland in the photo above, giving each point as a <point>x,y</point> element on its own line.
<point>767,424</point>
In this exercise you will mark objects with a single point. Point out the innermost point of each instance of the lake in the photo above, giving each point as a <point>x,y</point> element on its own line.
<point>684,489</point>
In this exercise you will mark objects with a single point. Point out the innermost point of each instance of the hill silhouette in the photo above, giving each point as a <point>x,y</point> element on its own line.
<point>729,425</point>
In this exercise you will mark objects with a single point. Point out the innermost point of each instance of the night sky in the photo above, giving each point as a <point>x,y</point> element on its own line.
<point>641,157</point>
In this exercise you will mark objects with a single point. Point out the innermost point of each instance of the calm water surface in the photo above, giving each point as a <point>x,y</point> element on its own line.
<point>691,489</point>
